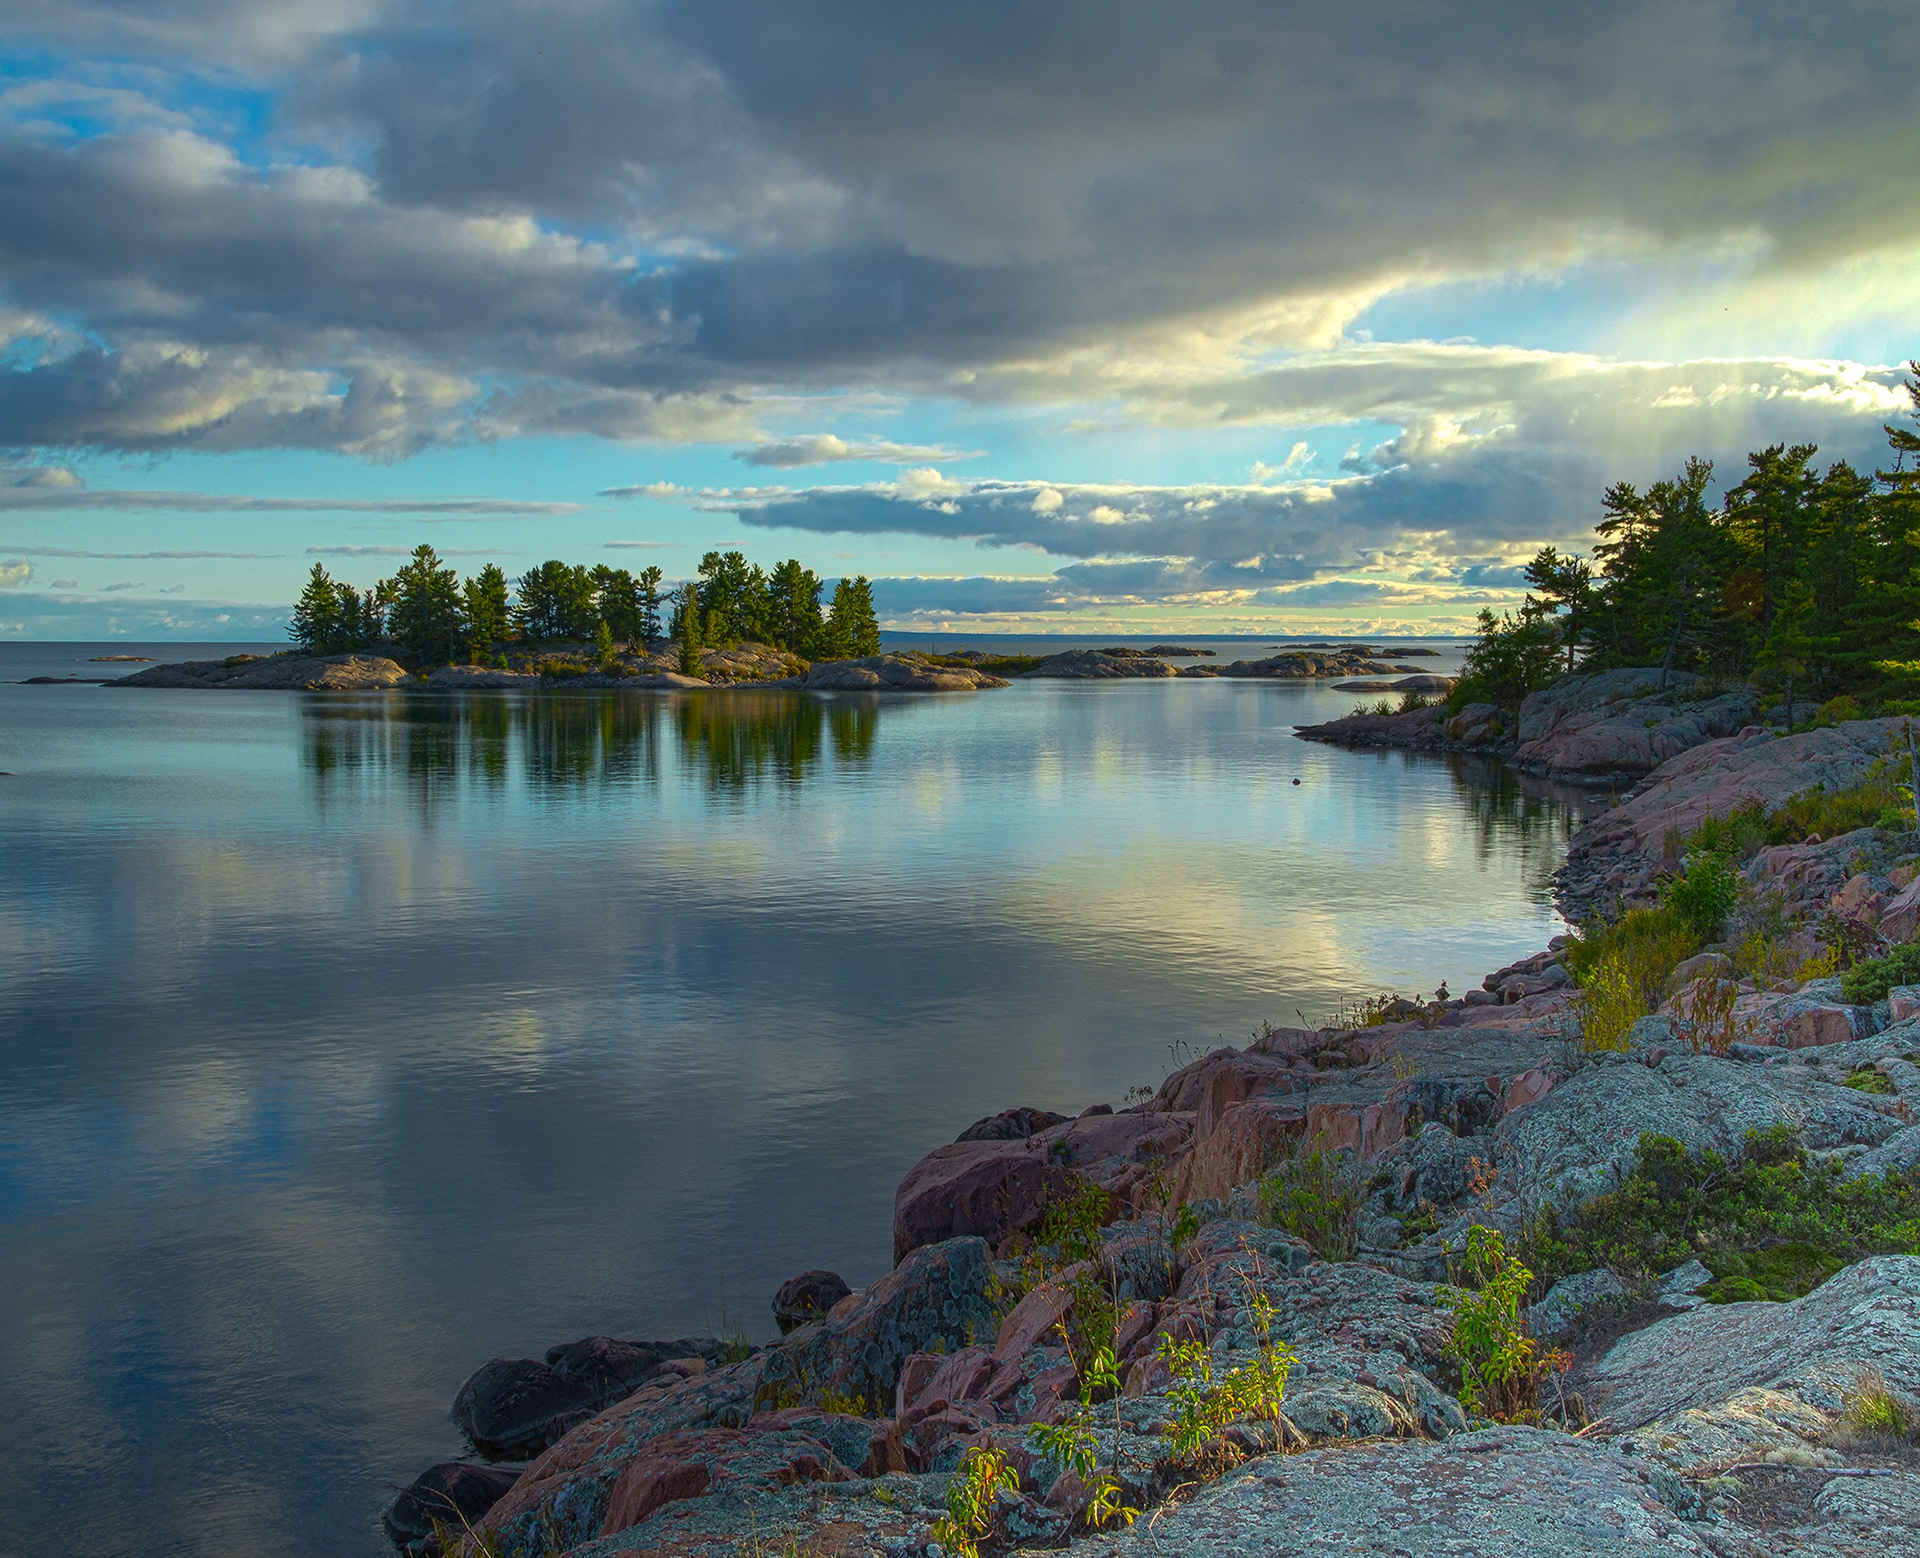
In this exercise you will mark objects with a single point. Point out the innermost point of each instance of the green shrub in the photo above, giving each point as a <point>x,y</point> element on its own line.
<point>1705,895</point>
<point>1621,970</point>
<point>1829,813</point>
<point>559,669</point>
<point>1739,835</point>
<point>1315,1192</point>
<point>1870,980</point>
<point>1770,1223</point>
<point>1871,1411</point>
<point>1836,711</point>
<point>1410,702</point>
<point>1500,1372</point>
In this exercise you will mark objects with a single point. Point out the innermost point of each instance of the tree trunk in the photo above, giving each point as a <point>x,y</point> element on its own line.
<point>1673,643</point>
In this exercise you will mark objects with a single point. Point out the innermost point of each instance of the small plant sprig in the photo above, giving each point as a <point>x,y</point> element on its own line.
<point>1500,1372</point>
<point>1203,1407</point>
<point>982,1475</point>
<point>1072,1445</point>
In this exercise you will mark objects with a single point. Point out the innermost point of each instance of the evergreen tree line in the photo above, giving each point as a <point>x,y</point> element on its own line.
<point>1803,580</point>
<point>430,614</point>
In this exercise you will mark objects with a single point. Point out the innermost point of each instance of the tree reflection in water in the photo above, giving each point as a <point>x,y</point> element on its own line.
<point>565,741</point>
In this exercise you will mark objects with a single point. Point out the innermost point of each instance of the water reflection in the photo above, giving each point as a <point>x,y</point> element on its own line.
<point>728,741</point>
<point>1509,811</point>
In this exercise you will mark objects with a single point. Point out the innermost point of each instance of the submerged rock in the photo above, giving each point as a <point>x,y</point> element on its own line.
<point>454,1495</point>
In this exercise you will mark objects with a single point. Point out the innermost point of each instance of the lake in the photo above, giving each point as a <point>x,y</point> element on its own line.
<point>350,1040</point>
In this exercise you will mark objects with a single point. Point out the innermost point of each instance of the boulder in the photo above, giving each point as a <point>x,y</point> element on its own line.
<point>936,1298</point>
<point>1478,725</point>
<point>1616,725</point>
<point>1569,1298</point>
<point>993,1188</point>
<point>458,678</point>
<point>807,1297</point>
<point>513,1408</point>
<point>1011,1125</point>
<point>1899,916</point>
<point>453,1494</point>
<point>895,673</point>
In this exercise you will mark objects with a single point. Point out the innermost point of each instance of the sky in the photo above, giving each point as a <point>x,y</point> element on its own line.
<point>1219,318</point>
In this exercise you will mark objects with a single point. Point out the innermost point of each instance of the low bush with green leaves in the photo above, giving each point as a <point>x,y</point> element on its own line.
<point>1501,1367</point>
<point>1072,1446</point>
<point>1315,1192</point>
<point>972,1492</point>
<point>1705,896</point>
<point>1769,1223</point>
<point>1870,980</point>
<point>1204,1407</point>
<point>1621,970</point>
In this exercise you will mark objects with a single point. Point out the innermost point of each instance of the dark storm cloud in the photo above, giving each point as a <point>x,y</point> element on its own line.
<point>507,220</point>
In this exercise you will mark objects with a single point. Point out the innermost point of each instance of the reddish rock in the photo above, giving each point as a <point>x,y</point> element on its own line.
<point>994,1188</point>
<point>1034,1317</point>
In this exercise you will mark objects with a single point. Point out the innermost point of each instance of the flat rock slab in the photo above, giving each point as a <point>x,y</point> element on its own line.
<point>1498,1493</point>
<point>1810,1350</point>
<point>321,673</point>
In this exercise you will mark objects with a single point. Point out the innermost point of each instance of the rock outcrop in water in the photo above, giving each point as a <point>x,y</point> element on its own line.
<point>1610,728</point>
<point>277,673</point>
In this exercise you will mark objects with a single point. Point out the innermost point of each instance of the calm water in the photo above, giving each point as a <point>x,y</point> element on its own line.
<point>350,1040</point>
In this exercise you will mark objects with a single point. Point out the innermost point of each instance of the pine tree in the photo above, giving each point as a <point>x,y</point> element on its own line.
<point>854,623</point>
<point>316,615</point>
<point>1784,655</point>
<point>689,615</point>
<point>648,590</point>
<point>603,644</point>
<point>426,615</point>
<point>484,606</point>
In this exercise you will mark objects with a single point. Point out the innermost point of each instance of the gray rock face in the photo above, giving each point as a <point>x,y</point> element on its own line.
<point>894,673</point>
<point>1706,1362</point>
<point>1613,853</point>
<point>807,1297</point>
<point>1499,1493</point>
<point>459,678</point>
<point>1551,1318</point>
<point>1615,726</point>
<point>1581,1139</point>
<point>1096,665</point>
<point>277,673</point>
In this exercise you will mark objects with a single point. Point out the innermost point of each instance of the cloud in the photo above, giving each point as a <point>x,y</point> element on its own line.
<point>1502,449</point>
<point>61,551</point>
<point>638,546</point>
<point>658,489</point>
<point>113,500</point>
<point>644,222</point>
<point>822,448</point>
<point>65,584</point>
<point>16,572</point>
<point>173,589</point>
<point>401,551</point>
<point>125,584</point>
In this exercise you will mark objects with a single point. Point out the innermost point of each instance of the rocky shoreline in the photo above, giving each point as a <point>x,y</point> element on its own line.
<point>1685,1423</point>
